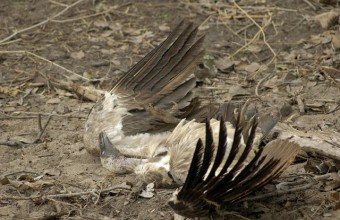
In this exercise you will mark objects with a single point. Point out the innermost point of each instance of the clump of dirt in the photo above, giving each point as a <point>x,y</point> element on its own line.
<point>272,52</point>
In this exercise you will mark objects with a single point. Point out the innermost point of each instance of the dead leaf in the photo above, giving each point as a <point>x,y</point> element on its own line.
<point>336,40</point>
<point>132,31</point>
<point>326,39</point>
<point>148,192</point>
<point>115,62</point>
<point>107,33</point>
<point>315,106</point>
<point>25,177</point>
<point>38,184</point>
<point>15,183</point>
<point>107,51</point>
<point>88,74</point>
<point>62,92</point>
<point>253,67</point>
<point>22,139</point>
<point>140,38</point>
<point>53,101</point>
<point>164,27</point>
<point>224,64</point>
<point>254,48</point>
<point>62,109</point>
<point>25,182</point>
<point>237,90</point>
<point>4,180</point>
<point>327,19</point>
<point>77,55</point>
<point>11,91</point>
<point>204,27</point>
<point>52,172</point>
<point>116,26</point>
<point>303,54</point>
<point>101,24</point>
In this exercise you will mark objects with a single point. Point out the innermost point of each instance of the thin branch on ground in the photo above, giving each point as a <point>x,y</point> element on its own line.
<point>96,14</point>
<point>40,23</point>
<point>11,143</point>
<point>261,30</point>
<point>20,171</point>
<point>16,143</point>
<point>67,195</point>
<point>296,25</point>
<point>310,4</point>
<point>246,45</point>
<point>260,83</point>
<point>88,92</point>
<point>50,62</point>
<point>10,42</point>
<point>45,114</point>
<point>226,23</point>
<point>48,83</point>
<point>313,182</point>
<point>245,28</point>
<point>58,3</point>
<point>41,128</point>
<point>9,117</point>
<point>221,5</point>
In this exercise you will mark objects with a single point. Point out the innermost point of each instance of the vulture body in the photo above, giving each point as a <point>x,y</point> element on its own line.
<point>150,124</point>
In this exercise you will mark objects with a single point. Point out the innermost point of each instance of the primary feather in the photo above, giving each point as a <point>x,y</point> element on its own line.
<point>215,183</point>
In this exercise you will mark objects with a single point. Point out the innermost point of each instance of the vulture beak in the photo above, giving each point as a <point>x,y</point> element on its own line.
<point>106,147</point>
<point>113,160</point>
<point>152,124</point>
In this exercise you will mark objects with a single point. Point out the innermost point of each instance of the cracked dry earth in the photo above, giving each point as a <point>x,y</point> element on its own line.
<point>100,40</point>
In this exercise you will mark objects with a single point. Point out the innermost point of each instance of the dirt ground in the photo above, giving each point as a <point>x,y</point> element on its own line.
<point>272,52</point>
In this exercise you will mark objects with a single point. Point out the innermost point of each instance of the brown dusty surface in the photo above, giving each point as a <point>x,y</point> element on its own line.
<point>305,76</point>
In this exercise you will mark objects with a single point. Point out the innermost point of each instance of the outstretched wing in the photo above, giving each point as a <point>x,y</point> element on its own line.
<point>153,95</point>
<point>217,178</point>
<point>159,87</point>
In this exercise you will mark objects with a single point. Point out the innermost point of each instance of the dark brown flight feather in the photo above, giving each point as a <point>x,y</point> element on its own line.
<point>212,184</point>
<point>162,72</point>
<point>162,80</point>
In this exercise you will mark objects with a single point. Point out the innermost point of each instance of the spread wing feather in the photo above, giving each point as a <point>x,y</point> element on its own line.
<point>160,74</point>
<point>162,80</point>
<point>215,182</point>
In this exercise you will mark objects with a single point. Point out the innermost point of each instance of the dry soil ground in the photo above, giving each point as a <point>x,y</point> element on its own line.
<point>273,52</point>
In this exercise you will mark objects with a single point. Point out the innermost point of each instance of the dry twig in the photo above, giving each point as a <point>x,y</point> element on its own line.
<point>16,143</point>
<point>314,181</point>
<point>41,129</point>
<point>67,195</point>
<point>40,23</point>
<point>17,172</point>
<point>310,4</point>
<point>261,30</point>
<point>96,14</point>
<point>260,83</point>
<point>34,115</point>
<point>88,92</point>
<point>50,62</point>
